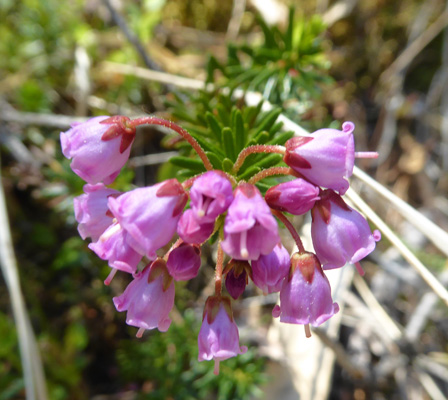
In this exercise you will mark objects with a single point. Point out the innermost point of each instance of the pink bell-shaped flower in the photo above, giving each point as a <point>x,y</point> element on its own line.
<point>326,158</point>
<point>92,212</point>
<point>340,234</point>
<point>305,297</point>
<point>250,230</point>
<point>149,298</point>
<point>269,271</point>
<point>98,148</point>
<point>192,231</point>
<point>113,247</point>
<point>218,338</point>
<point>184,262</point>
<point>210,195</point>
<point>296,197</point>
<point>150,215</point>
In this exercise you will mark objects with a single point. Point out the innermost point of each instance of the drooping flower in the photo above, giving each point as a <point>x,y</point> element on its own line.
<point>91,210</point>
<point>250,230</point>
<point>98,148</point>
<point>236,273</point>
<point>150,215</point>
<point>305,297</point>
<point>184,262</point>
<point>296,197</point>
<point>269,271</point>
<point>218,338</point>
<point>340,234</point>
<point>192,231</point>
<point>113,247</point>
<point>211,195</point>
<point>326,158</point>
<point>149,298</point>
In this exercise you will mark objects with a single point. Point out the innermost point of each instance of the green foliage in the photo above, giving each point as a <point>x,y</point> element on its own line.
<point>167,362</point>
<point>288,68</point>
<point>223,127</point>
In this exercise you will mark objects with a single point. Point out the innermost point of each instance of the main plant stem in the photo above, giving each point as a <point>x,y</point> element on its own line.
<point>218,271</point>
<point>182,132</point>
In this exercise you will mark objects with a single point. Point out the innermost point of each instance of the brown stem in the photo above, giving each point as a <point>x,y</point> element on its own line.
<point>291,229</point>
<point>258,148</point>
<point>270,172</point>
<point>182,132</point>
<point>218,271</point>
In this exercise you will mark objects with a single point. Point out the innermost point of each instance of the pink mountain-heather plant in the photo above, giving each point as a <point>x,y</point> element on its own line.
<point>340,234</point>
<point>98,148</point>
<point>305,297</point>
<point>137,225</point>
<point>250,230</point>
<point>149,298</point>
<point>218,338</point>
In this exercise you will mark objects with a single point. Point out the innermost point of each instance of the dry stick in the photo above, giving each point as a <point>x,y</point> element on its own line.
<point>182,132</point>
<point>433,232</point>
<point>342,358</point>
<point>290,228</point>
<point>29,354</point>
<point>119,20</point>
<point>405,58</point>
<point>235,20</point>
<point>427,276</point>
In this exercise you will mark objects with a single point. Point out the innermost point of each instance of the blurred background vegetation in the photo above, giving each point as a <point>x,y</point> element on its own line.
<point>381,64</point>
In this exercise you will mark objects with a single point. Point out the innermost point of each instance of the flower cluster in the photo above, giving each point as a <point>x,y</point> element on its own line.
<point>132,228</point>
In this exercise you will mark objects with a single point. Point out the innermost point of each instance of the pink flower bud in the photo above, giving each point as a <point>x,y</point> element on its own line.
<point>149,298</point>
<point>192,231</point>
<point>305,297</point>
<point>218,338</point>
<point>340,234</point>
<point>325,158</point>
<point>296,197</point>
<point>269,271</point>
<point>250,230</point>
<point>98,148</point>
<point>236,272</point>
<point>184,262</point>
<point>211,195</point>
<point>91,210</point>
<point>150,215</point>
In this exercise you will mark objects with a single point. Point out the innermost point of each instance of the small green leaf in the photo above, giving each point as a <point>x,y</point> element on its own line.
<point>214,159</point>
<point>240,132</point>
<point>282,138</point>
<point>227,165</point>
<point>228,140</point>
<point>250,172</point>
<point>223,114</point>
<point>268,120</point>
<point>189,163</point>
<point>214,125</point>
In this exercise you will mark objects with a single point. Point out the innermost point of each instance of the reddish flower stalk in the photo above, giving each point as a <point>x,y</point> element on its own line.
<point>182,132</point>
<point>291,229</point>
<point>218,271</point>
<point>259,148</point>
<point>270,172</point>
<point>175,245</point>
